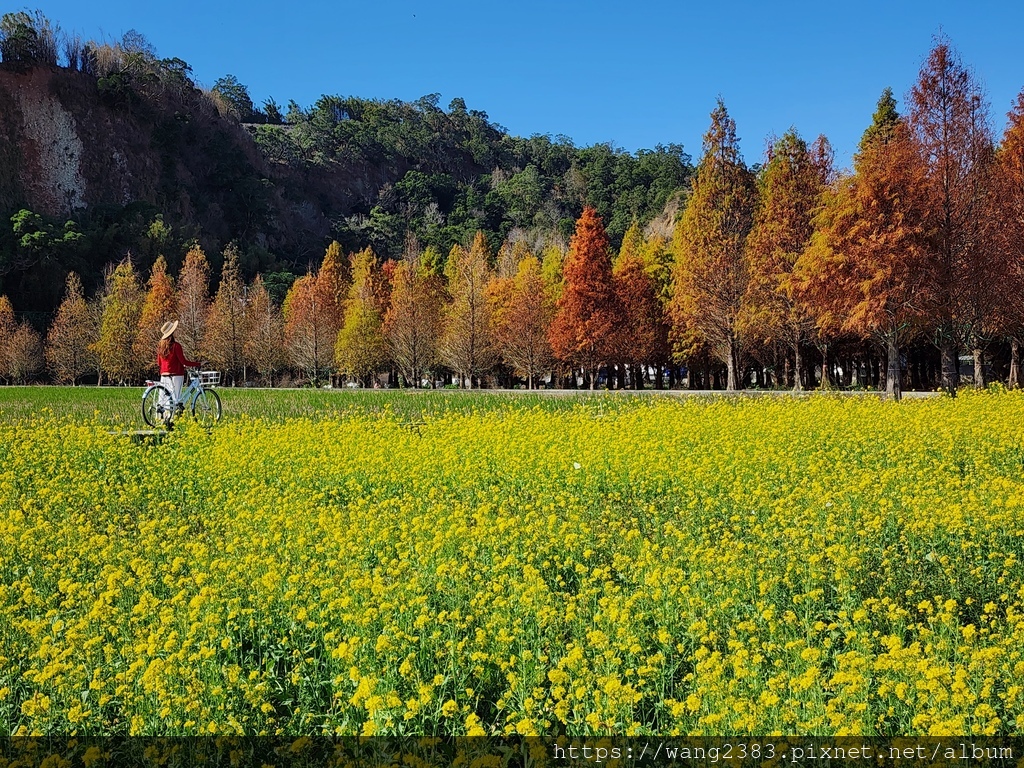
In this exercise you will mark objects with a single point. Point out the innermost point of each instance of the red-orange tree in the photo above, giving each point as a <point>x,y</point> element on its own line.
<point>1006,206</point>
<point>522,315</point>
<point>866,270</point>
<point>644,328</point>
<point>711,262</point>
<point>583,330</point>
<point>159,306</point>
<point>949,119</point>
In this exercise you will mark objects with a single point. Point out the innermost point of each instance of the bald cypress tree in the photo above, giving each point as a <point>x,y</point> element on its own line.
<point>119,323</point>
<point>8,327</point>
<point>159,306</point>
<point>227,319</point>
<point>948,118</point>
<point>263,347</point>
<point>712,269</point>
<point>583,331</point>
<point>67,342</point>
<point>790,185</point>
<point>1006,210</point>
<point>867,269</point>
<point>193,302</point>
<point>467,342</point>
<point>360,350</point>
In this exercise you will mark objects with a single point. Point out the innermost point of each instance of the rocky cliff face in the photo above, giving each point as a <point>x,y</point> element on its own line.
<point>67,148</point>
<point>67,154</point>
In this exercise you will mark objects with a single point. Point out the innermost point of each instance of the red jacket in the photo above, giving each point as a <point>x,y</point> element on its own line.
<point>174,364</point>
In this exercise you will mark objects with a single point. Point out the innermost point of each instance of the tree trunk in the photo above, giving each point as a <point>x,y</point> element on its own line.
<point>798,385</point>
<point>892,375</point>
<point>659,377</point>
<point>950,363</point>
<point>1014,380</point>
<point>979,370</point>
<point>732,368</point>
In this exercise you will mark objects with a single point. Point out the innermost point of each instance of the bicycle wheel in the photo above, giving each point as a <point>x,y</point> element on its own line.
<point>156,410</point>
<point>206,408</point>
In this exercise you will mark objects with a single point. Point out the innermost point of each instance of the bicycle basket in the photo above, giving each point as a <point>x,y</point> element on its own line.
<point>209,378</point>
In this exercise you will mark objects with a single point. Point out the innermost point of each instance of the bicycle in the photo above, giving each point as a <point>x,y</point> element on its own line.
<point>159,408</point>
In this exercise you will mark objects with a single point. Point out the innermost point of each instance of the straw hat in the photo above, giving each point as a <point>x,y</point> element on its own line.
<point>168,328</point>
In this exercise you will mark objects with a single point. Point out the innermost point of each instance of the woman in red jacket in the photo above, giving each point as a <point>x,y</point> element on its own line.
<point>172,360</point>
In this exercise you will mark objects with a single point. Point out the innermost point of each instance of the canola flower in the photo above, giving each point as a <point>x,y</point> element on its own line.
<point>770,566</point>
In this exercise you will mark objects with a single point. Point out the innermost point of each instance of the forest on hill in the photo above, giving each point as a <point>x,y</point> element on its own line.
<point>151,164</point>
<point>405,244</point>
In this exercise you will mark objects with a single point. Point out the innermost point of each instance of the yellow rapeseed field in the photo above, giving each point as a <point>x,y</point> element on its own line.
<point>771,566</point>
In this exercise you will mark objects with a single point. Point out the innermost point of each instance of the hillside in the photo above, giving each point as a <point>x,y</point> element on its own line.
<point>108,149</point>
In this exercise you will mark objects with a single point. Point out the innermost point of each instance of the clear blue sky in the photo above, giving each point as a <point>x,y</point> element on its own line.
<point>632,73</point>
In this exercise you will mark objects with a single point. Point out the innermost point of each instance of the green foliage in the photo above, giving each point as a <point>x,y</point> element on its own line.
<point>278,284</point>
<point>458,173</point>
<point>237,97</point>
<point>883,122</point>
<point>27,39</point>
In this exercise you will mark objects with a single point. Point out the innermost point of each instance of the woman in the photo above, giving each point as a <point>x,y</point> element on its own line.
<point>172,360</point>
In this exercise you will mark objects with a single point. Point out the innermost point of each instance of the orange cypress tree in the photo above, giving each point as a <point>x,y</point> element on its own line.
<point>8,327</point>
<point>227,320</point>
<point>710,282</point>
<point>264,343</point>
<point>67,342</point>
<point>193,302</point>
<point>309,338</point>
<point>332,282</point>
<point>1006,208</point>
<point>412,324</point>
<point>582,332</point>
<point>467,342</point>
<point>24,353</point>
<point>159,306</point>
<point>523,312</point>
<point>948,117</point>
<point>643,332</point>
<point>866,270</point>
<point>790,186</point>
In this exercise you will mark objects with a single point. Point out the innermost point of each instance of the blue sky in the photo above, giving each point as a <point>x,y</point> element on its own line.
<point>635,74</point>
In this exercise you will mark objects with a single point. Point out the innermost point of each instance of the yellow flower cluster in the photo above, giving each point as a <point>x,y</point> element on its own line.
<point>773,566</point>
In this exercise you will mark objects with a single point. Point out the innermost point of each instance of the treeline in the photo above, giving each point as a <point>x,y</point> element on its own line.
<point>786,274</point>
<point>287,180</point>
<point>470,316</point>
